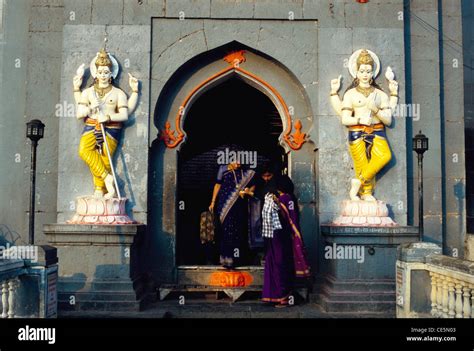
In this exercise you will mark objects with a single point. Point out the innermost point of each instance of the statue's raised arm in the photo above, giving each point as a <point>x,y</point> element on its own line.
<point>335,99</point>
<point>134,85</point>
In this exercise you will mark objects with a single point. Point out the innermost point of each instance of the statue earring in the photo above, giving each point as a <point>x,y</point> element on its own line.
<point>371,81</point>
<point>110,80</point>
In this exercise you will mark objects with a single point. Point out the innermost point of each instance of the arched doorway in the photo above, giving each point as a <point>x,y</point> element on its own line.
<point>179,119</point>
<point>229,116</point>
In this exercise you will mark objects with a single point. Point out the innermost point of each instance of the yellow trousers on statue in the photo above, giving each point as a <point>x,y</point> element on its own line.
<point>98,163</point>
<point>366,168</point>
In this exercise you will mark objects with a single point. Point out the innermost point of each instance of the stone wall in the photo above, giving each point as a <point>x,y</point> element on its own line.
<point>468,41</point>
<point>51,38</point>
<point>30,56</point>
<point>436,73</point>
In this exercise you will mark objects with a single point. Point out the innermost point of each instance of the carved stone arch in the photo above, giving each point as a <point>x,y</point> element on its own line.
<point>183,86</point>
<point>232,64</point>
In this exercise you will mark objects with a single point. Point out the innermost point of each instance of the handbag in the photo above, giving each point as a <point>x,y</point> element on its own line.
<point>207,229</point>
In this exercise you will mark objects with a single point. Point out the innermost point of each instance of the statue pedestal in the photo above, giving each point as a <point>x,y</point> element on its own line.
<point>99,210</point>
<point>364,213</point>
<point>101,266</point>
<point>350,282</point>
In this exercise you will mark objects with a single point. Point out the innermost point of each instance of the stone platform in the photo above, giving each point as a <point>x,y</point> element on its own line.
<point>100,268</point>
<point>365,283</point>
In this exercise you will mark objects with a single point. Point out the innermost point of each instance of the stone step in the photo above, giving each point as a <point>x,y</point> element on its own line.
<point>358,285</point>
<point>235,292</point>
<point>331,306</point>
<point>98,296</point>
<point>74,286</point>
<point>354,295</point>
<point>205,275</point>
<point>105,301</point>
<point>199,308</point>
<point>94,305</point>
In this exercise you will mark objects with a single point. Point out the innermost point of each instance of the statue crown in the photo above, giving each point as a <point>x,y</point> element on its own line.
<point>365,59</point>
<point>103,59</point>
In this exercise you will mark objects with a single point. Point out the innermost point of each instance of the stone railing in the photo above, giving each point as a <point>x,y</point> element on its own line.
<point>452,287</point>
<point>10,271</point>
<point>28,287</point>
<point>433,285</point>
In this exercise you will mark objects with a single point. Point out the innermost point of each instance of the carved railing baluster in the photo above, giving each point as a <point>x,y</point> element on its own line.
<point>458,304</point>
<point>439,284</point>
<point>451,298</point>
<point>4,299</point>
<point>452,290</point>
<point>466,311</point>
<point>434,306</point>
<point>439,295</point>
<point>12,284</point>
<point>445,297</point>
<point>471,286</point>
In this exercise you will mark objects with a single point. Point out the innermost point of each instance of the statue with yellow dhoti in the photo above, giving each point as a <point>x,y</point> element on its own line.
<point>365,110</point>
<point>104,108</point>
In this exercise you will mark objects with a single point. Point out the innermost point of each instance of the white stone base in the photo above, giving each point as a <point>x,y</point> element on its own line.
<point>364,213</point>
<point>97,210</point>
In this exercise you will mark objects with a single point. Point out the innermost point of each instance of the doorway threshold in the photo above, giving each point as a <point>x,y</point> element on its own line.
<point>203,278</point>
<point>219,268</point>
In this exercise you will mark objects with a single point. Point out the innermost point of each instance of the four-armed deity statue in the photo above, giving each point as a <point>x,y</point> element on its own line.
<point>103,107</point>
<point>365,110</point>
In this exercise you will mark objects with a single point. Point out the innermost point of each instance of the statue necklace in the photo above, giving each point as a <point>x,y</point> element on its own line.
<point>365,91</point>
<point>101,92</point>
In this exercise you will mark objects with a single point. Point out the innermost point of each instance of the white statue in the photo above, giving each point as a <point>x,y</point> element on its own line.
<point>103,107</point>
<point>365,110</point>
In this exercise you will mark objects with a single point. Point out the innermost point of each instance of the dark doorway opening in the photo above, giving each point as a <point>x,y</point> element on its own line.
<point>232,114</point>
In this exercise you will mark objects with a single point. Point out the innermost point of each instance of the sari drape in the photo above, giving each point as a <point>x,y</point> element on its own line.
<point>233,217</point>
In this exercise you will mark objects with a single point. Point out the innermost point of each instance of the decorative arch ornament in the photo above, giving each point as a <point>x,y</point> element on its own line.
<point>295,140</point>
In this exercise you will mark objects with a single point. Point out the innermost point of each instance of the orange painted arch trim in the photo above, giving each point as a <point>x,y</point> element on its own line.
<point>295,141</point>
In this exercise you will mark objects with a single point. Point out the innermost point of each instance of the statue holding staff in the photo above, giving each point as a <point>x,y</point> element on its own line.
<point>104,108</point>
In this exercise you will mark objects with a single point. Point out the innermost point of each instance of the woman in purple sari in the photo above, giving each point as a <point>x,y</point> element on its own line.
<point>232,210</point>
<point>285,258</point>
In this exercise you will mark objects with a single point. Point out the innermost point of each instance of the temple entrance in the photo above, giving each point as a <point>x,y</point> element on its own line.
<point>230,116</point>
<point>229,98</point>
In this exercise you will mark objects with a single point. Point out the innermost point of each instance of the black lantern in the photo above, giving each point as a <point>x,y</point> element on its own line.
<point>420,143</point>
<point>35,132</point>
<point>420,146</point>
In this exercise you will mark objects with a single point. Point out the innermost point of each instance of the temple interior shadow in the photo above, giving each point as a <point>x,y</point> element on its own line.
<point>233,116</point>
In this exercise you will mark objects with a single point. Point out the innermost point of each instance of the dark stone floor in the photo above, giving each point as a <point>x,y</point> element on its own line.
<point>208,308</point>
